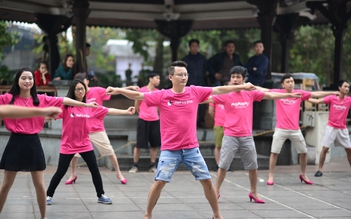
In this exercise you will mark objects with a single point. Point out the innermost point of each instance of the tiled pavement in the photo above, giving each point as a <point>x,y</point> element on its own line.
<point>329,197</point>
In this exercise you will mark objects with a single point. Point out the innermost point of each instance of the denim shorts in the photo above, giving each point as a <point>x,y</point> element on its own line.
<point>169,161</point>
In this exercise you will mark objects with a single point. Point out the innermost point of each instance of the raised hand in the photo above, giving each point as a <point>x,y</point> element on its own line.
<point>249,86</point>
<point>112,91</point>
<point>51,112</point>
<point>131,110</point>
<point>135,88</point>
<point>92,104</point>
<point>296,95</point>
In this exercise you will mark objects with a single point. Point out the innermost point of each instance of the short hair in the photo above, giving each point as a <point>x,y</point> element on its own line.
<point>341,82</point>
<point>286,76</point>
<point>80,76</point>
<point>87,45</point>
<point>176,64</point>
<point>257,41</point>
<point>227,42</point>
<point>238,70</point>
<point>152,74</point>
<point>193,41</point>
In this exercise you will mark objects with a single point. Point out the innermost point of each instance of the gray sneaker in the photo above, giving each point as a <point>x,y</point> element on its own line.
<point>48,200</point>
<point>152,169</point>
<point>104,200</point>
<point>134,169</point>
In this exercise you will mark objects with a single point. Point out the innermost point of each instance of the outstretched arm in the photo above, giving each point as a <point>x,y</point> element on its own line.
<point>316,101</point>
<point>323,93</point>
<point>275,95</point>
<point>134,95</point>
<point>262,89</point>
<point>117,112</point>
<point>228,89</point>
<point>12,111</point>
<point>211,111</point>
<point>70,102</point>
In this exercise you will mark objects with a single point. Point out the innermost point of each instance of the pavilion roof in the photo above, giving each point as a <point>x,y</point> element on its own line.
<point>206,14</point>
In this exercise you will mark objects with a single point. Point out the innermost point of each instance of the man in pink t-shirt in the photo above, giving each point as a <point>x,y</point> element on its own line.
<point>178,112</point>
<point>238,107</point>
<point>336,131</point>
<point>287,126</point>
<point>148,129</point>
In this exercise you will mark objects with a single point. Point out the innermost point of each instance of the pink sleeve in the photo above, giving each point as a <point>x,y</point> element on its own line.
<point>46,100</point>
<point>100,112</point>
<point>212,104</point>
<point>219,99</point>
<point>203,93</point>
<point>328,99</point>
<point>153,98</point>
<point>103,94</point>
<point>259,95</point>
<point>305,95</point>
<point>5,98</point>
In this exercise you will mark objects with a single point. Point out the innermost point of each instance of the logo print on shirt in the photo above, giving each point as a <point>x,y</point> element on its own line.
<point>339,107</point>
<point>183,102</point>
<point>72,115</point>
<point>288,101</point>
<point>240,104</point>
<point>169,103</point>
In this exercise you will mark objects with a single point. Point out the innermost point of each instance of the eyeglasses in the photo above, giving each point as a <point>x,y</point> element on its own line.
<point>181,75</point>
<point>79,89</point>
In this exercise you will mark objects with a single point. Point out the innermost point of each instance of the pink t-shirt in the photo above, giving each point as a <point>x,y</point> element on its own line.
<point>178,113</point>
<point>97,94</point>
<point>147,113</point>
<point>288,109</point>
<point>219,114</point>
<point>28,125</point>
<point>338,110</point>
<point>238,108</point>
<point>76,128</point>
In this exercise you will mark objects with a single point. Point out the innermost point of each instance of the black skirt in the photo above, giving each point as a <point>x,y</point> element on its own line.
<point>23,152</point>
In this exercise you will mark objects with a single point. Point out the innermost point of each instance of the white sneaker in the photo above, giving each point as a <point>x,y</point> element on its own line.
<point>134,169</point>
<point>153,169</point>
<point>48,200</point>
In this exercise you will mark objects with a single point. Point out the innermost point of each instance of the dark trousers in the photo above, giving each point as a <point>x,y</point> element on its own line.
<point>64,161</point>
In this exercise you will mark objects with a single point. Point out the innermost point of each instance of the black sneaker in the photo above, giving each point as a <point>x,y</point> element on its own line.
<point>318,174</point>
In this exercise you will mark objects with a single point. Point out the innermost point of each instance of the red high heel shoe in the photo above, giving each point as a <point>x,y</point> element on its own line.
<point>71,181</point>
<point>257,200</point>
<point>123,181</point>
<point>270,183</point>
<point>309,182</point>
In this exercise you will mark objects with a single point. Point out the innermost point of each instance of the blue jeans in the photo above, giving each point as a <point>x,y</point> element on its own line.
<point>169,161</point>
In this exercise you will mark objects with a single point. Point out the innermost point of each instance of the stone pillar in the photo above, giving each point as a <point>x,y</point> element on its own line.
<point>81,12</point>
<point>52,25</point>
<point>338,16</point>
<point>174,30</point>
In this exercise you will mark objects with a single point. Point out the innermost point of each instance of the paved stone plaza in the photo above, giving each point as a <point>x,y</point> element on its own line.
<point>329,197</point>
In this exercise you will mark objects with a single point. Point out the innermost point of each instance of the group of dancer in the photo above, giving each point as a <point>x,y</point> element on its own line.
<point>82,107</point>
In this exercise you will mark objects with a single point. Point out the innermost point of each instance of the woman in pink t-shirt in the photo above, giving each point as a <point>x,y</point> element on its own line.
<point>76,123</point>
<point>23,151</point>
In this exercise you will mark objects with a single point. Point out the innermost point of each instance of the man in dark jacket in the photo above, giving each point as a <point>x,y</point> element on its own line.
<point>221,63</point>
<point>257,65</point>
<point>197,67</point>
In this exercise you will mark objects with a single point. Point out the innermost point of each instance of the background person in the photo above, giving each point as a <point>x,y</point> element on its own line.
<point>64,71</point>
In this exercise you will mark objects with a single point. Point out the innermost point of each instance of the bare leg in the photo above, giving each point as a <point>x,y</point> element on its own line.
<point>154,195</point>
<point>114,162</point>
<point>272,162</point>
<point>74,163</point>
<point>211,196</point>
<point>136,154</point>
<point>7,182</point>
<point>253,182</point>
<point>217,153</point>
<point>220,177</point>
<point>38,181</point>
<point>303,164</point>
<point>322,157</point>
<point>153,154</point>
<point>348,151</point>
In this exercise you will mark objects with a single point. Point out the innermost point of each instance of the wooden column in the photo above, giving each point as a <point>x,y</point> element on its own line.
<point>52,25</point>
<point>285,25</point>
<point>174,30</point>
<point>338,16</point>
<point>81,12</point>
